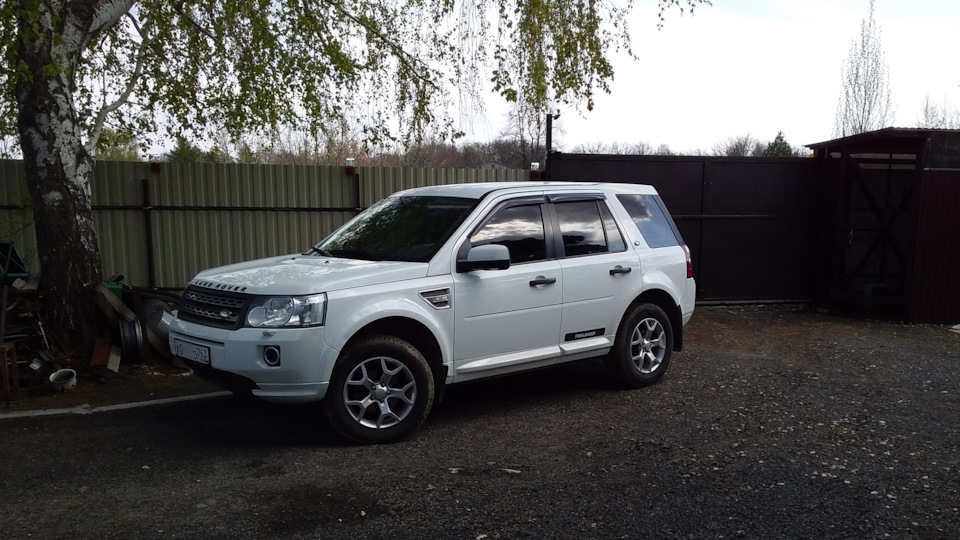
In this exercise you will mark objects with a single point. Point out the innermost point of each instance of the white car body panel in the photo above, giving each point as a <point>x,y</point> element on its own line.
<point>491,306</point>
<point>308,361</point>
<point>302,275</point>
<point>599,306</point>
<point>356,308</point>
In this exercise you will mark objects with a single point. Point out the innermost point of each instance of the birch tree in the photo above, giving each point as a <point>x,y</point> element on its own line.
<point>183,67</point>
<point>865,103</point>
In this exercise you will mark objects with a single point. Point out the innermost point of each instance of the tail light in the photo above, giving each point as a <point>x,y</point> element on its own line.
<point>686,251</point>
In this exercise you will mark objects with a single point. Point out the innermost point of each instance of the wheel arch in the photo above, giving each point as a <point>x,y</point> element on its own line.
<point>413,332</point>
<point>664,301</point>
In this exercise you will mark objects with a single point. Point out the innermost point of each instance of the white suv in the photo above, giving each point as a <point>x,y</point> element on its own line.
<point>442,285</point>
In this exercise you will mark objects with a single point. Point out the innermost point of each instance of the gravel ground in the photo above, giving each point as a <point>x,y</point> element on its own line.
<point>774,422</point>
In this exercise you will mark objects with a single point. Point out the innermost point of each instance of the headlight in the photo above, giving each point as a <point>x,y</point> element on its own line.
<point>295,311</point>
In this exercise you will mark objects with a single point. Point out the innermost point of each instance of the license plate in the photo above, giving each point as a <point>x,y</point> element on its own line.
<point>191,351</point>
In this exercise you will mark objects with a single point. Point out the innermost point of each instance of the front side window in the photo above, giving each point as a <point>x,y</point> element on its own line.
<point>406,228</point>
<point>585,230</point>
<point>648,214</point>
<point>520,228</point>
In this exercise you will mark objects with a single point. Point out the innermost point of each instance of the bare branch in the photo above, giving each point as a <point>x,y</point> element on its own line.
<point>178,6</point>
<point>666,4</point>
<point>865,103</point>
<point>124,96</point>
<point>938,116</point>
<point>136,24</point>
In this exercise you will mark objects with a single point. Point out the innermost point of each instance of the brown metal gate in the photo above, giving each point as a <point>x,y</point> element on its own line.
<point>753,225</point>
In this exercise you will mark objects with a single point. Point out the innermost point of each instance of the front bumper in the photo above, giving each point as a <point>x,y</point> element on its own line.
<point>237,360</point>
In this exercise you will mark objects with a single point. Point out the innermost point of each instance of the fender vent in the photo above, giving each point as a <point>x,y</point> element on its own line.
<point>438,298</point>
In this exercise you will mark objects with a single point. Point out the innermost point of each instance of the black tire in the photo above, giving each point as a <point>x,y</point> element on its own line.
<point>641,352</point>
<point>380,391</point>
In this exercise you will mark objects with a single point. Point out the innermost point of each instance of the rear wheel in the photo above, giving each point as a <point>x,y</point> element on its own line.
<point>641,352</point>
<point>380,391</point>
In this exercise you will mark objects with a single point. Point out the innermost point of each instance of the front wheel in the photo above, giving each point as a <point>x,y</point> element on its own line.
<point>380,391</point>
<point>641,352</point>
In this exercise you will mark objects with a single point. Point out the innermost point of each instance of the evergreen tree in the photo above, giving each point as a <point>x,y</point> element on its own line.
<point>778,147</point>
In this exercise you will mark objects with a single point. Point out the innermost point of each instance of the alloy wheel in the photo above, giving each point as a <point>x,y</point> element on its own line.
<point>380,392</point>
<point>648,345</point>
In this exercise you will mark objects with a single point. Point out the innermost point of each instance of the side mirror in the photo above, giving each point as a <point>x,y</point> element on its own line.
<point>487,257</point>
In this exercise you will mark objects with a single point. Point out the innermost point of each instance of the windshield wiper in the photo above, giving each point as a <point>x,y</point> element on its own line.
<point>353,254</point>
<point>318,251</point>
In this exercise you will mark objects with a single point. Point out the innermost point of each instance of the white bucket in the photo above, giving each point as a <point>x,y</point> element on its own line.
<point>64,379</point>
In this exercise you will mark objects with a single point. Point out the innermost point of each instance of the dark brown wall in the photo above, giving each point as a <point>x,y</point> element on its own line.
<point>752,224</point>
<point>935,294</point>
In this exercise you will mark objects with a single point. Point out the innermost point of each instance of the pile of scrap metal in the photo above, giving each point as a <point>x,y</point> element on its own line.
<point>141,317</point>
<point>22,335</point>
<point>23,338</point>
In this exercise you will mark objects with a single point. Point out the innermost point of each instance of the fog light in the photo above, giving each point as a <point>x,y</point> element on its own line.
<point>271,356</point>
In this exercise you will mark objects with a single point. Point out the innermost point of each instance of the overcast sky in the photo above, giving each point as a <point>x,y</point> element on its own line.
<point>757,67</point>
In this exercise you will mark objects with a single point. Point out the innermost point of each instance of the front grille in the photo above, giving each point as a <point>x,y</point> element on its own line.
<point>213,308</point>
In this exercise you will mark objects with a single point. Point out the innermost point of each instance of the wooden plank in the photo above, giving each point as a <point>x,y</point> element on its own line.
<point>101,351</point>
<point>113,364</point>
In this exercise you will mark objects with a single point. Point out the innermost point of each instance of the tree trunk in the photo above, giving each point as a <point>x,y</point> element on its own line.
<point>58,172</point>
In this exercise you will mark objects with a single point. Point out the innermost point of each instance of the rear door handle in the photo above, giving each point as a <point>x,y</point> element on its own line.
<point>540,280</point>
<point>620,270</point>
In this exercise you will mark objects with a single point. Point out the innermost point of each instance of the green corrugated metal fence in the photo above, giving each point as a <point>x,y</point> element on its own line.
<point>159,224</point>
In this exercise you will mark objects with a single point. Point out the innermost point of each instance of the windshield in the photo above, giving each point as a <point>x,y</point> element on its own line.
<point>409,228</point>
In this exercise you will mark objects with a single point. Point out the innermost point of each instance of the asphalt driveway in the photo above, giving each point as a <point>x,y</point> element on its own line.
<point>773,423</point>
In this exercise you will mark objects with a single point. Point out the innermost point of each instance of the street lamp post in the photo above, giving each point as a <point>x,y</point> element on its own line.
<point>549,143</point>
<point>550,119</point>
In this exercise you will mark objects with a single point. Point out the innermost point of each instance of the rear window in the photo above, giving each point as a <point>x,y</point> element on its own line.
<point>650,217</point>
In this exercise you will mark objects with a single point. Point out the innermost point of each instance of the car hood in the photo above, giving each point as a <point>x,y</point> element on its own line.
<point>305,274</point>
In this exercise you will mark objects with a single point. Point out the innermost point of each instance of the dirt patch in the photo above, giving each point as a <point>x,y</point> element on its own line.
<point>133,383</point>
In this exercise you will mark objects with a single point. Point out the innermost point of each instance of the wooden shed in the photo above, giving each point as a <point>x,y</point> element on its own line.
<point>892,240</point>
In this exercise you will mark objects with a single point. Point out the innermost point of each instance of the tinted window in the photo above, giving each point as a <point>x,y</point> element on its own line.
<point>399,229</point>
<point>582,228</point>
<point>655,226</point>
<point>520,228</point>
<point>614,238</point>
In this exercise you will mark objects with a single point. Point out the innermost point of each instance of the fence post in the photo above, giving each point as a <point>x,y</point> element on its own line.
<point>148,232</point>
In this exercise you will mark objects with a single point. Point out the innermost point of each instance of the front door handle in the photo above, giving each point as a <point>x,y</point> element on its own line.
<point>540,280</point>
<point>620,270</point>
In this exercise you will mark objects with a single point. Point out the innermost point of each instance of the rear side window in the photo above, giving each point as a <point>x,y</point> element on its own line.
<point>649,215</point>
<point>586,230</point>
